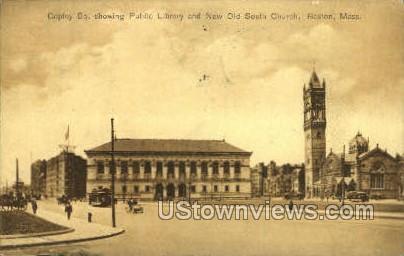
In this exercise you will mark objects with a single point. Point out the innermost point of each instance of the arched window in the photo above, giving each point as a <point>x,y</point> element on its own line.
<point>182,169</point>
<point>159,169</point>
<point>226,169</point>
<point>215,168</point>
<point>124,167</point>
<point>147,169</point>
<point>377,175</point>
<point>193,169</point>
<point>237,169</point>
<point>170,169</point>
<point>204,169</point>
<point>136,168</point>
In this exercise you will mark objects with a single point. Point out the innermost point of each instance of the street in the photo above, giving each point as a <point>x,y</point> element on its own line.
<point>146,234</point>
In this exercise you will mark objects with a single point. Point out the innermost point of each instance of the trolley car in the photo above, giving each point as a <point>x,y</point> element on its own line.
<point>100,197</point>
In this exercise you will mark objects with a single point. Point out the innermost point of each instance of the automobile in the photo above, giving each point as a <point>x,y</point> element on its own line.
<point>294,195</point>
<point>357,196</point>
<point>376,196</point>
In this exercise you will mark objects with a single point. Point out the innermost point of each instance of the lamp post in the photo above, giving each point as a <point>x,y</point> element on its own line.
<point>343,189</point>
<point>17,192</point>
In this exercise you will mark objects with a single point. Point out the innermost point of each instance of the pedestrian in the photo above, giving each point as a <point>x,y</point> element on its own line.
<point>68,210</point>
<point>290,205</point>
<point>34,206</point>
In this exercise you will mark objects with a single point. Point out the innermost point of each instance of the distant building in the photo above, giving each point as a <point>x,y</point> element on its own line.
<point>400,159</point>
<point>259,180</point>
<point>163,168</point>
<point>38,177</point>
<point>276,181</point>
<point>66,175</point>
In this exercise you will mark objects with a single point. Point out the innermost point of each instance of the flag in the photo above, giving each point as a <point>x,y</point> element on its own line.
<point>67,133</point>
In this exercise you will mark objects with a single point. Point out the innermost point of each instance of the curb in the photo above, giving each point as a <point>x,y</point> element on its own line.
<point>49,233</point>
<point>390,217</point>
<point>14,246</point>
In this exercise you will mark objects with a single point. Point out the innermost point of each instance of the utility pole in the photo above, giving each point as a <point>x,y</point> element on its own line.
<point>113,173</point>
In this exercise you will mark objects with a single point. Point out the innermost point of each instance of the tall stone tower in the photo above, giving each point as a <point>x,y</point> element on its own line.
<point>314,131</point>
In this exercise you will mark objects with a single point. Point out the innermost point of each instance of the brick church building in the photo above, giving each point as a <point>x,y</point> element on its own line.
<point>374,171</point>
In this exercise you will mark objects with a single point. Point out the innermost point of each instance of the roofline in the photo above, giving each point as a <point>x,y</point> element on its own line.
<point>89,152</point>
<point>376,149</point>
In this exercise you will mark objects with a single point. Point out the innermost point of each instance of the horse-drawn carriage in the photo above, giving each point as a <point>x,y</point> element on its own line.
<point>9,202</point>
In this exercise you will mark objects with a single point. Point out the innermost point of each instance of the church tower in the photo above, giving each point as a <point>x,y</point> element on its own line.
<point>314,132</point>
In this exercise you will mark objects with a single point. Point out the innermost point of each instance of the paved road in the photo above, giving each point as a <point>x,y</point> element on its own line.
<point>146,234</point>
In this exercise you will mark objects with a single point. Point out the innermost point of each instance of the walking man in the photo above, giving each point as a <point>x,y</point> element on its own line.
<point>68,210</point>
<point>34,206</point>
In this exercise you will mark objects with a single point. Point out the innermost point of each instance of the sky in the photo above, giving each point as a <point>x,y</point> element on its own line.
<point>149,76</point>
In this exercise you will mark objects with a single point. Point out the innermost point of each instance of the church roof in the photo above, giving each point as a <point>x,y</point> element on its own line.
<point>169,146</point>
<point>375,151</point>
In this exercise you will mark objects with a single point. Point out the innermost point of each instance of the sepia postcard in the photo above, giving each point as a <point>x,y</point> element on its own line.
<point>201,128</point>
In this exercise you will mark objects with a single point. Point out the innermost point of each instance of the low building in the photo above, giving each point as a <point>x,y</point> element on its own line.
<point>38,177</point>
<point>66,174</point>
<point>164,168</point>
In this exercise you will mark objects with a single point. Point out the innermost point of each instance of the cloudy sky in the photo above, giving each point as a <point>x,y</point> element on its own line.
<point>146,74</point>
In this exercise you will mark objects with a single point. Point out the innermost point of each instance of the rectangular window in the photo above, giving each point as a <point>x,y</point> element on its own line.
<point>136,189</point>
<point>204,189</point>
<point>100,167</point>
<point>124,189</point>
<point>193,189</point>
<point>215,188</point>
<point>237,188</point>
<point>147,188</point>
<point>226,188</point>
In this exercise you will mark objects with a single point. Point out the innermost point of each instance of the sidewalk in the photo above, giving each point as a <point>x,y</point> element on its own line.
<point>82,231</point>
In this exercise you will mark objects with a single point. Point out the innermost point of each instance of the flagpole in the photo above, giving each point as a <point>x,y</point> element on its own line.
<point>68,137</point>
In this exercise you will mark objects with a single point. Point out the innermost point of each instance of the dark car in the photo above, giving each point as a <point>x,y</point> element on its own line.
<point>294,195</point>
<point>357,196</point>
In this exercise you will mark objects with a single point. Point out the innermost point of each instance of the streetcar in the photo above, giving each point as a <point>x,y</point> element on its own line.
<point>100,197</point>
